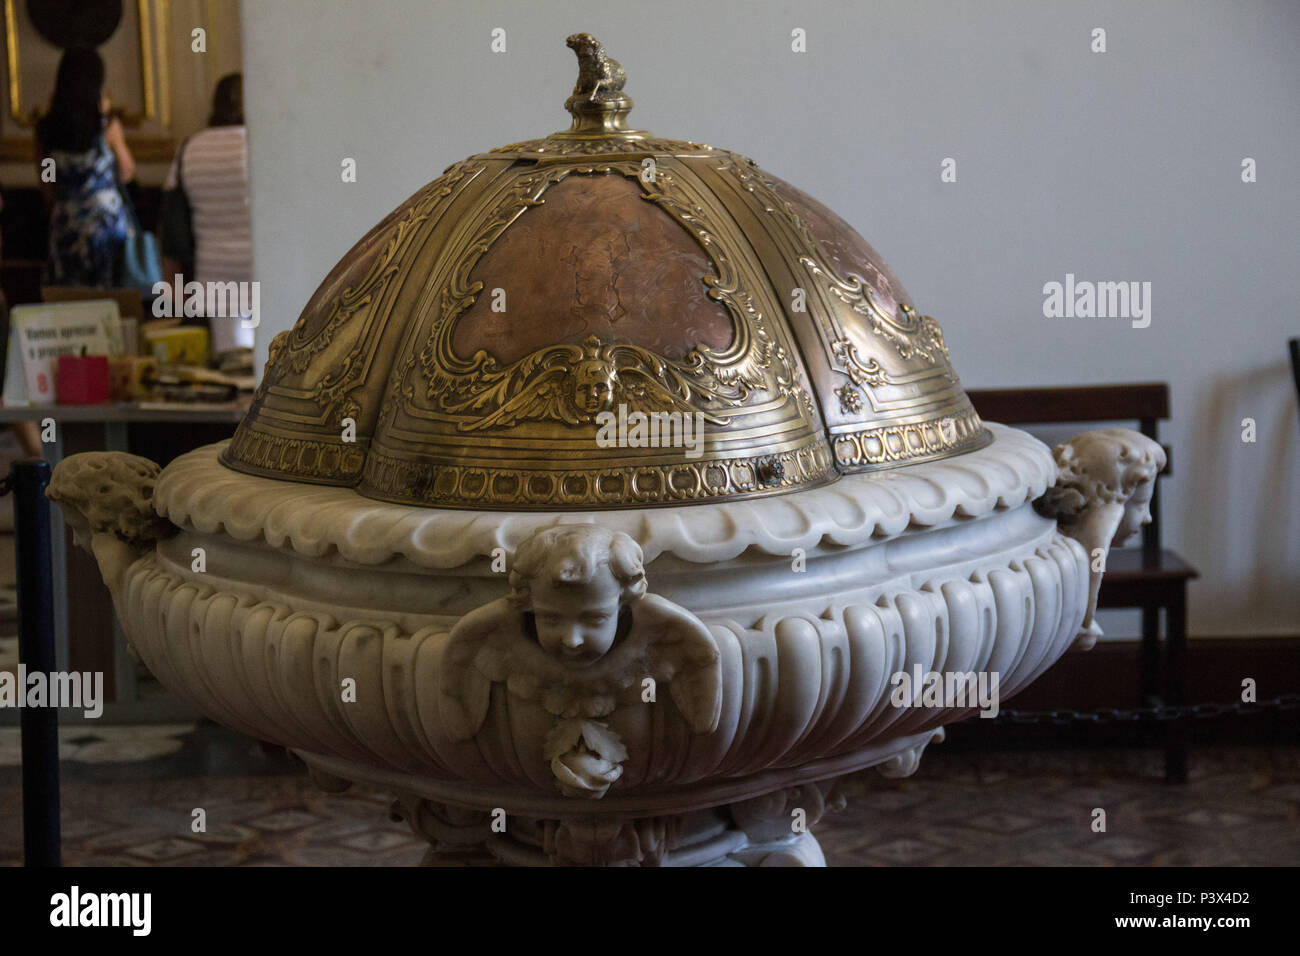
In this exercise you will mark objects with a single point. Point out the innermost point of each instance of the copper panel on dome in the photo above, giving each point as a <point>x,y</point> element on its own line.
<point>593,258</point>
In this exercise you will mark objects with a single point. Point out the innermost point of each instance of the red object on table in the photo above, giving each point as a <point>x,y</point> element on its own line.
<point>83,379</point>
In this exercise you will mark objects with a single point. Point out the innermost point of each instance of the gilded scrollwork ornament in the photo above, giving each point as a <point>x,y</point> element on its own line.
<point>302,344</point>
<point>862,373</point>
<point>909,334</point>
<point>551,146</point>
<point>574,383</point>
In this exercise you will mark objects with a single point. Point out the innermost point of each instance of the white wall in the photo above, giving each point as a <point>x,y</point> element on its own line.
<point>1116,166</point>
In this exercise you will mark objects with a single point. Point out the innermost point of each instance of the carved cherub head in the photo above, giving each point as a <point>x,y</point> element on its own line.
<point>1110,466</point>
<point>593,386</point>
<point>575,580</point>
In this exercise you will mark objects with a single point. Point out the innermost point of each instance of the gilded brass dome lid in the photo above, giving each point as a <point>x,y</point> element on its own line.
<point>603,319</point>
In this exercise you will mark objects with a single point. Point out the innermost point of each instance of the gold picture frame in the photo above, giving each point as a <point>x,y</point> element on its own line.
<point>155,90</point>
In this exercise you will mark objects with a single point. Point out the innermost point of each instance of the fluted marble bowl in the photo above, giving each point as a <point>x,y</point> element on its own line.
<point>387,644</point>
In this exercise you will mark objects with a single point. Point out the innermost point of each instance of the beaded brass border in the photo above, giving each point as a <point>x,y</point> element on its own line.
<point>906,444</point>
<point>458,486</point>
<point>294,459</point>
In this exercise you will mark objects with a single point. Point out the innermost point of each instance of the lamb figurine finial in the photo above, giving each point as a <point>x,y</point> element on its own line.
<point>598,103</point>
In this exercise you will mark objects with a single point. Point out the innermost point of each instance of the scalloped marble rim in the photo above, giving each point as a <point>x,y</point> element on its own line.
<point>197,492</point>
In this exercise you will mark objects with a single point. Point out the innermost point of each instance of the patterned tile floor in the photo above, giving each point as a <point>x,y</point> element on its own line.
<point>1241,807</point>
<point>82,744</point>
<point>251,821</point>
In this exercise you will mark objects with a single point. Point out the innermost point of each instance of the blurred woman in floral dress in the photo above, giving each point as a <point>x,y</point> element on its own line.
<point>89,221</point>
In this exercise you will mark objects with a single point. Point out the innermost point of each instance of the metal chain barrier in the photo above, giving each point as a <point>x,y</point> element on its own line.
<point>1111,715</point>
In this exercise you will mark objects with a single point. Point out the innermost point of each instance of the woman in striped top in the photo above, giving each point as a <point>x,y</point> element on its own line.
<point>212,169</point>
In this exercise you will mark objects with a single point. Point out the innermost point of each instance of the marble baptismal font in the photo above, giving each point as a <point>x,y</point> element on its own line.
<point>607,502</point>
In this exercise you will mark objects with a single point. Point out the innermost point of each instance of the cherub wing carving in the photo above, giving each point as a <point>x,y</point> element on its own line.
<point>653,643</point>
<point>547,396</point>
<point>489,645</point>
<point>682,654</point>
<point>475,657</point>
<point>648,384</point>
<point>666,642</point>
<point>534,387</point>
<point>642,393</point>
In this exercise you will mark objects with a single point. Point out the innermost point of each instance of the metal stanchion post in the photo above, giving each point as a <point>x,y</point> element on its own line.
<point>28,479</point>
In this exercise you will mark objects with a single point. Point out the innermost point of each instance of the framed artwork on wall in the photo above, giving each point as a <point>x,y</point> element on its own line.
<point>133,38</point>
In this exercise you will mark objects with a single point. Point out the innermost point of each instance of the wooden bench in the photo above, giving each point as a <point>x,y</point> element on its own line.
<point>1151,577</point>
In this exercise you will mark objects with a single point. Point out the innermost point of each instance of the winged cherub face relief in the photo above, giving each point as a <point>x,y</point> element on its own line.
<point>569,646</point>
<point>576,590</point>
<point>593,386</point>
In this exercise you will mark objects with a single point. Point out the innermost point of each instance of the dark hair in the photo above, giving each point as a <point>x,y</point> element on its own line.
<point>228,101</point>
<point>74,122</point>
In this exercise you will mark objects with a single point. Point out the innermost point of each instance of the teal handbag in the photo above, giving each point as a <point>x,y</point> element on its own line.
<point>139,265</point>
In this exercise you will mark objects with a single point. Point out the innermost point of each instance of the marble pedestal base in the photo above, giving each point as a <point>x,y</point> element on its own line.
<point>766,820</point>
<point>704,838</point>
